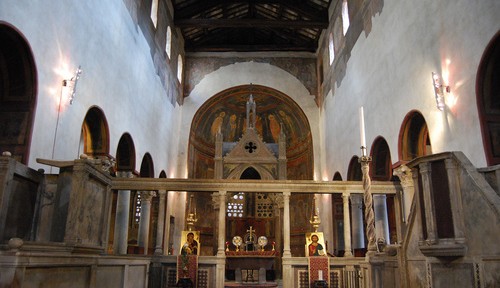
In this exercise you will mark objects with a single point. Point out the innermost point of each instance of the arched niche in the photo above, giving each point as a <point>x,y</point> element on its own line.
<point>414,138</point>
<point>354,170</point>
<point>488,100</point>
<point>147,167</point>
<point>18,89</point>
<point>381,166</point>
<point>125,154</point>
<point>95,133</point>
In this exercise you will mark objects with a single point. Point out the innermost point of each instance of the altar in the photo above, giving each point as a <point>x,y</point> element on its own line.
<point>250,266</point>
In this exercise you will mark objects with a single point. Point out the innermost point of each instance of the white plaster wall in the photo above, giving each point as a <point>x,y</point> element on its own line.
<point>118,76</point>
<point>389,73</point>
<point>244,74</point>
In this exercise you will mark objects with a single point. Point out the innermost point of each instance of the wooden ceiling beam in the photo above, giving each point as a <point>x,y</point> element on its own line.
<point>249,23</point>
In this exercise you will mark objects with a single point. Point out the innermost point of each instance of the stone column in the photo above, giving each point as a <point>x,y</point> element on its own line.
<point>219,200</point>
<point>358,238</point>
<point>286,224</point>
<point>160,228</point>
<point>143,238</point>
<point>347,226</point>
<point>406,178</point>
<point>122,217</point>
<point>405,197</point>
<point>222,224</point>
<point>288,276</point>
<point>381,219</point>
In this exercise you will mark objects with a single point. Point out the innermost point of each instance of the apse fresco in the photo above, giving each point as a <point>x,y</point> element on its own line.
<point>226,111</point>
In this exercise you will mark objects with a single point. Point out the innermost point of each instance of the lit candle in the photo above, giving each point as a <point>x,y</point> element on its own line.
<point>320,275</point>
<point>362,131</point>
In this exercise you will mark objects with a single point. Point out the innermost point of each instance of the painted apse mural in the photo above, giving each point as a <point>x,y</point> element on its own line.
<point>227,111</point>
<point>274,111</point>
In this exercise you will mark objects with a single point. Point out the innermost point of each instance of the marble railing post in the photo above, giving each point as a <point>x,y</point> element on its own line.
<point>219,200</point>
<point>288,275</point>
<point>381,219</point>
<point>347,226</point>
<point>286,224</point>
<point>146,197</point>
<point>358,234</point>
<point>161,223</point>
<point>122,217</point>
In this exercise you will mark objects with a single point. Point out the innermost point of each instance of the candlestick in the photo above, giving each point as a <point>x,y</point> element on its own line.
<point>362,131</point>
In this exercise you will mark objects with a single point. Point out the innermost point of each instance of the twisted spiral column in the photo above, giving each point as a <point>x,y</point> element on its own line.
<point>367,197</point>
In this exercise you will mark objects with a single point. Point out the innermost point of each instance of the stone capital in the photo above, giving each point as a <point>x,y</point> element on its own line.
<point>405,175</point>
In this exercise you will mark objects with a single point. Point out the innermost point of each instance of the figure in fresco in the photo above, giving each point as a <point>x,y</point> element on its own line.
<point>216,125</point>
<point>285,119</point>
<point>274,127</point>
<point>258,126</point>
<point>232,128</point>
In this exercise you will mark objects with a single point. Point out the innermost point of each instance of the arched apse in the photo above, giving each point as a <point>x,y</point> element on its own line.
<point>125,154</point>
<point>488,100</point>
<point>18,89</point>
<point>227,110</point>
<point>244,73</point>
<point>381,166</point>
<point>414,138</point>
<point>95,133</point>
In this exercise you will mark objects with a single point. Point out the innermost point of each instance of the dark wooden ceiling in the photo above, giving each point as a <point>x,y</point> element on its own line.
<point>251,25</point>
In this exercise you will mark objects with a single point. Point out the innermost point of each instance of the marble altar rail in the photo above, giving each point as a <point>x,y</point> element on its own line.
<point>260,186</point>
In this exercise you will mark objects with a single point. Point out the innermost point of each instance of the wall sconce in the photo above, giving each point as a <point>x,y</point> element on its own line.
<point>69,85</point>
<point>439,91</point>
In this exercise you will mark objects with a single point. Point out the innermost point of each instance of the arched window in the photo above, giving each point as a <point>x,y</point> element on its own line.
<point>345,17</point>
<point>154,12</point>
<point>168,45</point>
<point>180,67</point>
<point>414,137</point>
<point>331,48</point>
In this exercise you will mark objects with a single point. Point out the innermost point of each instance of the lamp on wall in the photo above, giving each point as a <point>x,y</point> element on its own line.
<point>69,85</point>
<point>439,90</point>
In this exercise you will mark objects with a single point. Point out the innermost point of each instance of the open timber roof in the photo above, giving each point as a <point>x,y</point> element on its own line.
<point>251,25</point>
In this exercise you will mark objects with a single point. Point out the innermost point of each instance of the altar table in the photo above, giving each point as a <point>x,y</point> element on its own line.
<point>251,260</point>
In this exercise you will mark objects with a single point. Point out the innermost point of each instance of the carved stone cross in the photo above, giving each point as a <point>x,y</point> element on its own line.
<point>250,147</point>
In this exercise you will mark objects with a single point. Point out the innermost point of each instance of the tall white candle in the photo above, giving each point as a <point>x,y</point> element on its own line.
<point>320,275</point>
<point>362,131</point>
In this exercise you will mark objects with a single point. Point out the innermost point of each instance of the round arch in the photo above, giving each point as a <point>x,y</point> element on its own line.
<point>354,170</point>
<point>227,110</point>
<point>95,133</point>
<point>147,169</point>
<point>414,138</point>
<point>488,100</point>
<point>18,90</point>
<point>381,166</point>
<point>125,154</point>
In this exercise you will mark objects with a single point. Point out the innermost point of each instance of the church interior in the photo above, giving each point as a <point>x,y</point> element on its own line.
<point>250,143</point>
